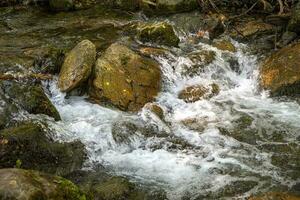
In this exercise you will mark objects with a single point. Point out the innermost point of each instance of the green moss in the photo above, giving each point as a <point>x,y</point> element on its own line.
<point>30,98</point>
<point>160,33</point>
<point>30,144</point>
<point>69,189</point>
<point>18,163</point>
<point>114,189</point>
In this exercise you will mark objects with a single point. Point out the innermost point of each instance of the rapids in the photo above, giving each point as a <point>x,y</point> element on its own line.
<point>240,149</point>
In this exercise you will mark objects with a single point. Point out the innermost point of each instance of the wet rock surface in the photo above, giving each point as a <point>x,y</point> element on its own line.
<point>25,184</point>
<point>198,92</point>
<point>30,145</point>
<point>239,143</point>
<point>125,79</point>
<point>77,66</point>
<point>161,33</point>
<point>28,97</point>
<point>279,72</point>
<point>102,186</point>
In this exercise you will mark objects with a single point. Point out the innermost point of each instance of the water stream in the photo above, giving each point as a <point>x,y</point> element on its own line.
<point>246,141</point>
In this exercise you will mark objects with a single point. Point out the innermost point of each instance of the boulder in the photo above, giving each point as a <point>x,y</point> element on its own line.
<point>21,184</point>
<point>77,66</point>
<point>163,7</point>
<point>125,79</point>
<point>29,97</point>
<point>294,23</point>
<point>275,196</point>
<point>197,92</point>
<point>280,72</point>
<point>161,33</point>
<point>67,5</point>
<point>29,146</point>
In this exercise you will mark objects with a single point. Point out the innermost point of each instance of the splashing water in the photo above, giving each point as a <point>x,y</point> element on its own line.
<point>223,158</point>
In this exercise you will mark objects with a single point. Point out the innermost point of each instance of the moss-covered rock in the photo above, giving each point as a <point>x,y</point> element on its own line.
<point>197,92</point>
<point>30,145</point>
<point>77,66</point>
<point>163,7</point>
<point>29,97</point>
<point>125,79</point>
<point>67,5</point>
<point>280,72</point>
<point>294,23</point>
<point>7,110</point>
<point>21,184</point>
<point>161,33</point>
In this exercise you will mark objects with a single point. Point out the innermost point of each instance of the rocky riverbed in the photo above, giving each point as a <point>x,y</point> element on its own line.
<point>117,100</point>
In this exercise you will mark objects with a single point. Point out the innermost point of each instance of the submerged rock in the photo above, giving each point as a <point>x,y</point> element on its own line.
<point>124,129</point>
<point>21,184</point>
<point>67,5</point>
<point>125,79</point>
<point>280,72</point>
<point>197,92</point>
<point>200,60</point>
<point>161,33</point>
<point>294,23</point>
<point>29,97</point>
<point>225,45</point>
<point>30,145</point>
<point>163,7</point>
<point>77,66</point>
<point>156,109</point>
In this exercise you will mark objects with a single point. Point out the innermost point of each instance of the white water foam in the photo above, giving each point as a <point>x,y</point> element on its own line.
<point>214,160</point>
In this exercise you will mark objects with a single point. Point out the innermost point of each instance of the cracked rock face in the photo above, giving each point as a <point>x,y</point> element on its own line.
<point>125,79</point>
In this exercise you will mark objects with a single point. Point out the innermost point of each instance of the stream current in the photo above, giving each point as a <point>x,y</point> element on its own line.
<point>242,141</point>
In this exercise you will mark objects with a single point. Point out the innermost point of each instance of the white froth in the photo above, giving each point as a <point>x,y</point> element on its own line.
<point>183,171</point>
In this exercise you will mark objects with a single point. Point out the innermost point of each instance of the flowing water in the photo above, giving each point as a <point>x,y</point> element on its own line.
<point>246,142</point>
